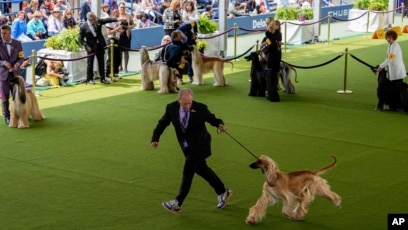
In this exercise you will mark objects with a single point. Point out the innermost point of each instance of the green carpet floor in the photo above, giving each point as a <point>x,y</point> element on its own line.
<point>90,165</point>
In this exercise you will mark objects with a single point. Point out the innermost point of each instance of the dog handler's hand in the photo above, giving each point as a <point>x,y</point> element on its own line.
<point>154,144</point>
<point>222,128</point>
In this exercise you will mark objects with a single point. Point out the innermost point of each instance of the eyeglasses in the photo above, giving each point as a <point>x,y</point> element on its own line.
<point>36,16</point>
<point>68,13</point>
<point>56,12</point>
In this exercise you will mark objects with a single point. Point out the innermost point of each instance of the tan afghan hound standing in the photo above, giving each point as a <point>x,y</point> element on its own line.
<point>158,70</point>
<point>295,189</point>
<point>203,64</point>
<point>24,104</point>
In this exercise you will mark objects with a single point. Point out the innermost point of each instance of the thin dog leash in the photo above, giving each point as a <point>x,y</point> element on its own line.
<point>241,145</point>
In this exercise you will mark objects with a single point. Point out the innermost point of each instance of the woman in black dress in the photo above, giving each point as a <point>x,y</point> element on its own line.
<point>272,51</point>
<point>125,35</point>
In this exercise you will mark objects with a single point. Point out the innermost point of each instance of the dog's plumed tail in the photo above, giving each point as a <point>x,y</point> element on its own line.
<point>327,168</point>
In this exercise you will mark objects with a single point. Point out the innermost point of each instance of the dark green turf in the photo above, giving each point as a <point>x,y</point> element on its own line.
<point>89,165</point>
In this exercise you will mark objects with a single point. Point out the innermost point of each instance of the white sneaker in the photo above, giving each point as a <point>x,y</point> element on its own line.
<point>171,206</point>
<point>223,198</point>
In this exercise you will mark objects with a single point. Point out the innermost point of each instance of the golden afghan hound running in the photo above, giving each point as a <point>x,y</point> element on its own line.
<point>158,70</point>
<point>24,104</point>
<point>203,64</point>
<point>295,189</point>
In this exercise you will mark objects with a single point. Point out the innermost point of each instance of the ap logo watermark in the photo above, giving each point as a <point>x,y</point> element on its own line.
<point>397,221</point>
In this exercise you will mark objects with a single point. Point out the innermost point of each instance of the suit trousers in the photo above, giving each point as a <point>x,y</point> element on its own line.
<point>5,88</point>
<point>100,55</point>
<point>192,165</point>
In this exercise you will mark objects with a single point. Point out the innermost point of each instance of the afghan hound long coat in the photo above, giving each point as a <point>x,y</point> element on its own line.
<point>158,70</point>
<point>24,104</point>
<point>203,64</point>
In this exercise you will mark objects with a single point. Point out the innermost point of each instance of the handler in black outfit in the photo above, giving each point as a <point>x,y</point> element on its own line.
<point>272,39</point>
<point>188,118</point>
<point>90,36</point>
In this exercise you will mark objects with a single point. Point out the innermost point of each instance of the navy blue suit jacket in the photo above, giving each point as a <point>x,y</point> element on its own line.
<point>196,134</point>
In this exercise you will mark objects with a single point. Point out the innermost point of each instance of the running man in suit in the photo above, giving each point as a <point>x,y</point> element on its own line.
<point>91,37</point>
<point>11,58</point>
<point>188,118</point>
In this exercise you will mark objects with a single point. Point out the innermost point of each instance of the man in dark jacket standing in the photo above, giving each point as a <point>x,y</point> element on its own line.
<point>188,118</point>
<point>91,37</point>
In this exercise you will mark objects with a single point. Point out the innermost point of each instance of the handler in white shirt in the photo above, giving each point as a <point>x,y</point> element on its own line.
<point>394,60</point>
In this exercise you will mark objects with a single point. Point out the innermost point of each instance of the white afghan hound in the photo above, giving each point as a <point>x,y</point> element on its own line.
<point>295,189</point>
<point>24,104</point>
<point>203,64</point>
<point>158,70</point>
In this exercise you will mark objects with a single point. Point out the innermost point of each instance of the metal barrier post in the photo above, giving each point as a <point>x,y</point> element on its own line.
<point>235,39</point>
<point>111,59</point>
<point>328,27</point>
<point>402,15</point>
<point>368,22</point>
<point>33,65</point>
<point>286,34</point>
<point>345,91</point>
<point>257,45</point>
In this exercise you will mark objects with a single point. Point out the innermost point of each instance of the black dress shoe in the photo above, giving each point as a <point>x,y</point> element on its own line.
<point>7,121</point>
<point>105,82</point>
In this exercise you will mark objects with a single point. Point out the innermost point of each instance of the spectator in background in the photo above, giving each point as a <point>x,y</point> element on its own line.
<point>65,4</point>
<point>85,8</point>
<point>46,9</point>
<point>55,23</point>
<point>147,7</point>
<point>143,21</point>
<point>208,12</point>
<point>113,32</point>
<point>69,21</point>
<point>30,9</point>
<point>35,27</point>
<point>189,13</point>
<point>250,6</point>
<point>125,36</point>
<point>105,13</point>
<point>172,17</point>
<point>113,4</point>
<point>202,3</point>
<point>59,6</point>
<point>54,73</point>
<point>237,12</point>
<point>19,26</point>
<point>162,8</point>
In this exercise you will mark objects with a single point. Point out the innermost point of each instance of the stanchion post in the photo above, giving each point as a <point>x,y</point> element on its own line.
<point>286,34</point>
<point>257,45</point>
<point>368,23</point>
<point>111,59</point>
<point>345,91</point>
<point>328,27</point>
<point>33,65</point>
<point>235,39</point>
<point>402,15</point>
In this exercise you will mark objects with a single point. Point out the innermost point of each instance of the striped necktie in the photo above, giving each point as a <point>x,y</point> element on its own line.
<point>184,121</point>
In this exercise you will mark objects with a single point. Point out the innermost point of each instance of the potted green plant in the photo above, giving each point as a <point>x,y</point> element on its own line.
<point>67,40</point>
<point>206,25</point>
<point>371,5</point>
<point>286,13</point>
<point>306,13</point>
<point>208,31</point>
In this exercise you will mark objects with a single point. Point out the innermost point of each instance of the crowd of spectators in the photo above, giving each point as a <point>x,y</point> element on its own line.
<point>39,19</point>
